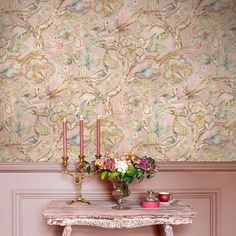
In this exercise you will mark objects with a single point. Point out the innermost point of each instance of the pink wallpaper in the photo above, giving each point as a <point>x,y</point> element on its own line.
<point>161,75</point>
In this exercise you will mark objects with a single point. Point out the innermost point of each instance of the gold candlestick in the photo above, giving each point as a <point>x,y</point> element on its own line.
<point>65,164</point>
<point>98,156</point>
<point>78,177</point>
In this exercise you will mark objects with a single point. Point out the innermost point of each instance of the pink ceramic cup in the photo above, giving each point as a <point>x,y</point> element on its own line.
<point>164,196</point>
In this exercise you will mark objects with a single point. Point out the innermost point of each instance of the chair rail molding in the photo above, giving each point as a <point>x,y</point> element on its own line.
<point>170,166</point>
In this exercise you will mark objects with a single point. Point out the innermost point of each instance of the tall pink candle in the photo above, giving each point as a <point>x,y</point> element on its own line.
<point>64,138</point>
<point>98,136</point>
<point>81,125</point>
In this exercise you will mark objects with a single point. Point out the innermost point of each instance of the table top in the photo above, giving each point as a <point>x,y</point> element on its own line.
<point>101,214</point>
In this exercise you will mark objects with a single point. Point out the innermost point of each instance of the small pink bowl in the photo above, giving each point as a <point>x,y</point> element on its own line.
<point>146,204</point>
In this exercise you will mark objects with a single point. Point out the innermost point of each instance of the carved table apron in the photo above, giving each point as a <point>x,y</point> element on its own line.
<point>101,214</point>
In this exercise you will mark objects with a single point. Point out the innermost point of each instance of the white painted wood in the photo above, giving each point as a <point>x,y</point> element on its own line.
<point>168,231</point>
<point>67,230</point>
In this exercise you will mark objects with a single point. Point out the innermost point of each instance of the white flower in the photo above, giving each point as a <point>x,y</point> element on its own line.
<point>121,166</point>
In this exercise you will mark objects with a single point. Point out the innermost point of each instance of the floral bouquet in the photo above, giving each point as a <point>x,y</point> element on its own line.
<point>122,171</point>
<point>127,168</point>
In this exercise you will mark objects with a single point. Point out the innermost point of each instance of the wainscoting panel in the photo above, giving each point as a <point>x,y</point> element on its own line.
<point>24,195</point>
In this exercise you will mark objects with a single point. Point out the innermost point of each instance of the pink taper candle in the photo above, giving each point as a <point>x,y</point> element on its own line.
<point>64,138</point>
<point>81,125</point>
<point>98,136</point>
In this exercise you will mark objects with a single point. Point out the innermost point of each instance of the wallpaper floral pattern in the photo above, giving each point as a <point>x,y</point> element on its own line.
<point>160,73</point>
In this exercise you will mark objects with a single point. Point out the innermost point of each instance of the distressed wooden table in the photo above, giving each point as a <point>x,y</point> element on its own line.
<point>101,214</point>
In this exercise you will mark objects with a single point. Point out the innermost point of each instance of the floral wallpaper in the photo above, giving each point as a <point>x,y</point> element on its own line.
<point>160,73</point>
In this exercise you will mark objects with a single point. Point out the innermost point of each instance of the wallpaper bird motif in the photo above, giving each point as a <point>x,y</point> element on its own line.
<point>160,73</point>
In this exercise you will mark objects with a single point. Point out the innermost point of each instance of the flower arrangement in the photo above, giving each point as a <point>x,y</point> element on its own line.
<point>126,168</point>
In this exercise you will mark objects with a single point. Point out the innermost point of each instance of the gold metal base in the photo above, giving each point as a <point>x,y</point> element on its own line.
<point>78,198</point>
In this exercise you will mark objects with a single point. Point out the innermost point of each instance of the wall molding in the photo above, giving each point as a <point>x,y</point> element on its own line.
<point>171,166</point>
<point>20,195</point>
<point>213,195</point>
<point>186,166</point>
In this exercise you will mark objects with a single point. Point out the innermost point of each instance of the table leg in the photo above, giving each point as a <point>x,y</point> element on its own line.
<point>67,230</point>
<point>168,231</point>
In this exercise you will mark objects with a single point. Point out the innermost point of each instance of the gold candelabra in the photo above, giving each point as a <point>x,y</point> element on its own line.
<point>81,166</point>
<point>78,177</point>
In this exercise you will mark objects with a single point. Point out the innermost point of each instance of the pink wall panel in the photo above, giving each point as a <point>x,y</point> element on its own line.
<point>209,191</point>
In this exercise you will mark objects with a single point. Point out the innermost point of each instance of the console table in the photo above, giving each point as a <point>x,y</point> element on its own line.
<point>101,214</point>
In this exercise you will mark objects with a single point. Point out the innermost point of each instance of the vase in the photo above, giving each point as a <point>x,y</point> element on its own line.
<point>120,191</point>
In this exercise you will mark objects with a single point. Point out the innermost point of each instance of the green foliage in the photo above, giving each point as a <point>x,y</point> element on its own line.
<point>127,179</point>
<point>87,166</point>
<point>126,169</point>
<point>113,175</point>
<point>104,174</point>
<point>131,171</point>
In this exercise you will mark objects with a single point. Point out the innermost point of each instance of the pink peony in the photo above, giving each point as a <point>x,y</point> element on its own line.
<point>109,164</point>
<point>142,164</point>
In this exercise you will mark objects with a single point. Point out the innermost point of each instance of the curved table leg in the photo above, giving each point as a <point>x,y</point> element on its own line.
<point>67,230</point>
<point>168,231</point>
